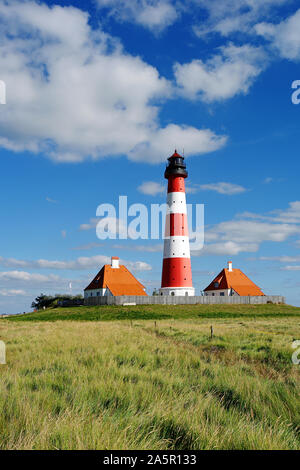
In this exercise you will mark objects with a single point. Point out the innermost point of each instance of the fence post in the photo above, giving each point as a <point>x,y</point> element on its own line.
<point>2,352</point>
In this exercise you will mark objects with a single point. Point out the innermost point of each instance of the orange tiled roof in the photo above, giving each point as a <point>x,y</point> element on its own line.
<point>236,280</point>
<point>119,281</point>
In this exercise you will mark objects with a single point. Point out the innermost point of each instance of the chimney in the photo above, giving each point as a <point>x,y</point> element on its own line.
<point>230,266</point>
<point>115,262</point>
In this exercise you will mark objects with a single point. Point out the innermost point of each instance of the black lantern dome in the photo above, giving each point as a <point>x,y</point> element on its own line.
<point>176,166</point>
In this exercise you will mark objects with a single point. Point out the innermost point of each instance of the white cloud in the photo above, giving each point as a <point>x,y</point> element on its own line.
<point>88,246</point>
<point>158,248</point>
<point>192,188</point>
<point>18,284</point>
<point>194,141</point>
<point>281,259</point>
<point>268,180</point>
<point>290,215</point>
<point>284,36</point>
<point>108,225</point>
<point>90,225</point>
<point>143,248</point>
<point>290,268</point>
<point>223,188</point>
<point>12,262</point>
<point>237,236</point>
<point>225,75</point>
<point>138,266</point>
<point>12,292</point>
<point>27,277</point>
<point>74,93</point>
<point>227,248</point>
<point>229,16</point>
<point>151,188</point>
<point>253,215</point>
<point>80,263</point>
<point>154,15</point>
<point>255,231</point>
<point>48,199</point>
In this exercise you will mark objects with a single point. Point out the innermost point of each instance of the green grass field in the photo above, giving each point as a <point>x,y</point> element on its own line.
<point>150,377</point>
<point>160,312</point>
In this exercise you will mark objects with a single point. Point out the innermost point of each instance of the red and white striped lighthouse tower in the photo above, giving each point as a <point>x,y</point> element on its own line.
<point>176,271</point>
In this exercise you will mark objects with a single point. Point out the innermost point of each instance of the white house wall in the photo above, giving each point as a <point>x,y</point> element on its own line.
<point>223,292</point>
<point>97,293</point>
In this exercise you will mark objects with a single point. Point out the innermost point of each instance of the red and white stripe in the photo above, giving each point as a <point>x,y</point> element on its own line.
<point>177,272</point>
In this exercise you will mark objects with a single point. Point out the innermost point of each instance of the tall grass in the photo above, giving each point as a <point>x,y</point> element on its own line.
<point>137,385</point>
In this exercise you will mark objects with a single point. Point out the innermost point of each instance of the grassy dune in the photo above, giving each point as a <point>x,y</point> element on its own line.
<point>159,312</point>
<point>137,385</point>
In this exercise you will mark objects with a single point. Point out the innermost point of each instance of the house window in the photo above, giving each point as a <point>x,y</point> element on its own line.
<point>98,293</point>
<point>213,294</point>
<point>172,293</point>
<point>222,294</point>
<point>216,284</point>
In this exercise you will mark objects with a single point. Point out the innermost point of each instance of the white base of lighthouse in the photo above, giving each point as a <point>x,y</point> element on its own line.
<point>182,291</point>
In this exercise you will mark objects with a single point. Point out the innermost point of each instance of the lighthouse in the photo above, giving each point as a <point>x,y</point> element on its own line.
<point>176,271</point>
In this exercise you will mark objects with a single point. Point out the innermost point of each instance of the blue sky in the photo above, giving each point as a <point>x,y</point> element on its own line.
<point>98,95</point>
